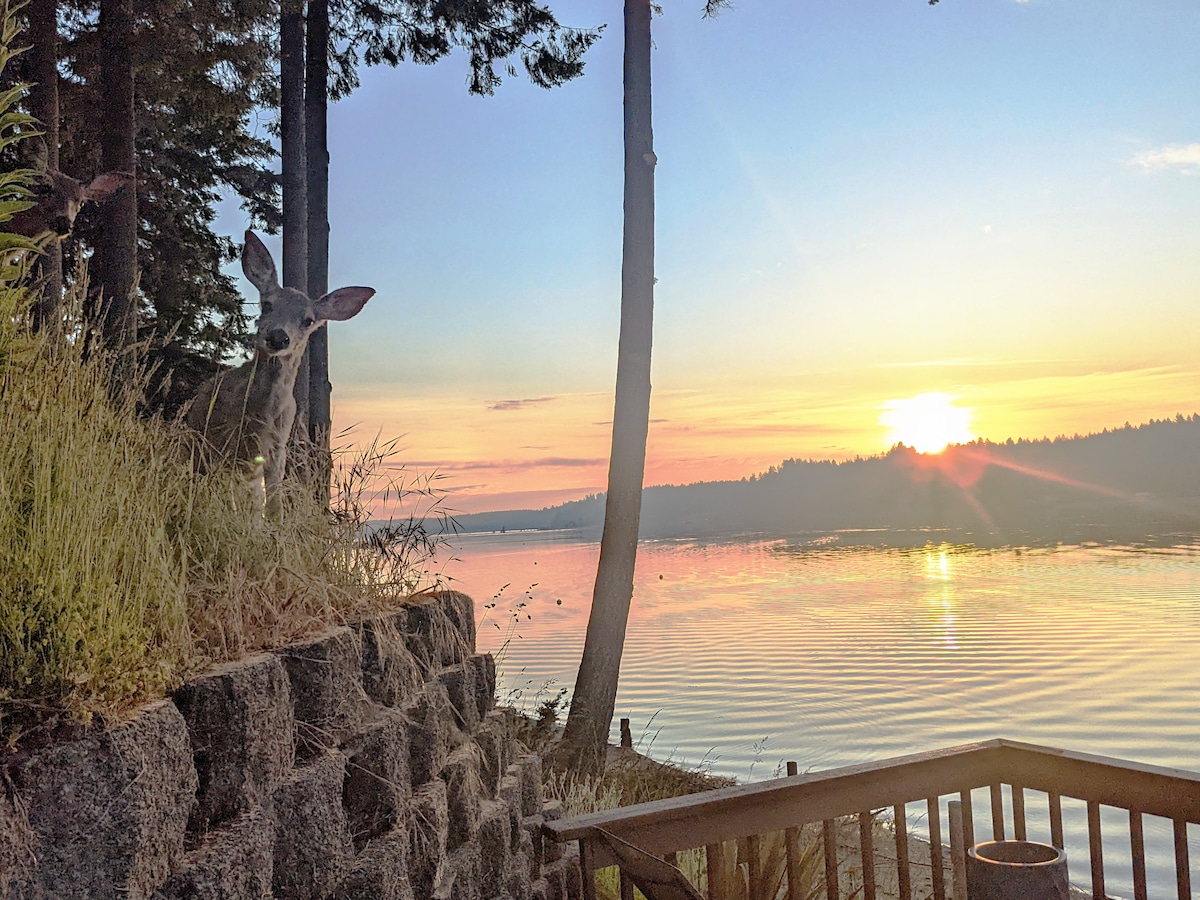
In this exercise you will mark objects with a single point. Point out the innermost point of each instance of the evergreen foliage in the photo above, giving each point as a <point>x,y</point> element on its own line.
<point>203,71</point>
<point>425,31</point>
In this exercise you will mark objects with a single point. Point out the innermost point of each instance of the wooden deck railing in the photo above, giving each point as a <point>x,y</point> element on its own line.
<point>992,769</point>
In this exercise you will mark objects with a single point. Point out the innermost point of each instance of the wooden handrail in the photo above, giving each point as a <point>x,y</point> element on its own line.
<point>708,818</point>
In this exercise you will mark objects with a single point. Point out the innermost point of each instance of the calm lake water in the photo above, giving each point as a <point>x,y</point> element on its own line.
<point>745,653</point>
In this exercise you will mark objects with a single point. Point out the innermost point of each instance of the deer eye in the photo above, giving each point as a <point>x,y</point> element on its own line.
<point>307,322</point>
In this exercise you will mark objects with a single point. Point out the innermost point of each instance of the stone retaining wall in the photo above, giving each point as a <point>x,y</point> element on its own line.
<point>370,763</point>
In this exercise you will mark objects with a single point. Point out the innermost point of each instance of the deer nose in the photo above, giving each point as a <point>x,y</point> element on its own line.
<point>277,339</point>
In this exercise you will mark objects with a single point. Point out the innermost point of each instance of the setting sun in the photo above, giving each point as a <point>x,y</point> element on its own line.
<point>927,423</point>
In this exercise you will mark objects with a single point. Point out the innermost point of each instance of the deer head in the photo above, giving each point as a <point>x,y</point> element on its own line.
<point>287,316</point>
<point>58,197</point>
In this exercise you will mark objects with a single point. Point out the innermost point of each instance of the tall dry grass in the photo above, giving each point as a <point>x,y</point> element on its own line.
<point>122,571</point>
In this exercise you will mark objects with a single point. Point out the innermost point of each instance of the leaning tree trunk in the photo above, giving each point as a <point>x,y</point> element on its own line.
<point>295,200</point>
<point>114,266</point>
<point>43,104</point>
<point>586,735</point>
<point>316,101</point>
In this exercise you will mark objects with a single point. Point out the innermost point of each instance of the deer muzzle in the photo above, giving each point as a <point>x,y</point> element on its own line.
<point>276,340</point>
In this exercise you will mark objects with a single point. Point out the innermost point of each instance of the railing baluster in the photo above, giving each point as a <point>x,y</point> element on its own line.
<point>936,864</point>
<point>866,850</point>
<point>626,887</point>
<point>997,798</point>
<point>829,834</point>
<point>1183,874</point>
<point>968,819</point>
<point>903,873</point>
<point>1137,848</point>
<point>1095,849</point>
<point>1018,808</point>
<point>714,860</point>
<point>754,864</point>
<point>791,839</point>
<point>958,859</point>
<point>588,873</point>
<point>1056,830</point>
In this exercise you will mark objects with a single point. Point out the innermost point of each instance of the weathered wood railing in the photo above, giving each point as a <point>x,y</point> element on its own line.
<point>999,767</point>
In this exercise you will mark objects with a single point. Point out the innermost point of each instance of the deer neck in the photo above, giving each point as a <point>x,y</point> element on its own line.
<point>275,377</point>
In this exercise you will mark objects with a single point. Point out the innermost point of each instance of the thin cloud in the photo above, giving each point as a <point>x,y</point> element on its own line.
<point>513,465</point>
<point>509,405</point>
<point>1184,158</point>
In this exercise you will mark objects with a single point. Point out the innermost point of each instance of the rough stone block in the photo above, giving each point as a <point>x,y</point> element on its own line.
<point>427,863</point>
<point>510,796</point>
<point>432,733</point>
<point>328,698</point>
<point>381,870</point>
<point>556,882</point>
<point>16,843</point>
<point>466,870</point>
<point>460,683</point>
<point>464,792</point>
<point>532,826</point>
<point>540,890</point>
<point>552,850</point>
<point>516,880</point>
<point>390,674</point>
<point>495,840</point>
<point>524,849</point>
<point>573,873</point>
<point>485,682</point>
<point>531,784</point>
<point>239,719</point>
<point>378,783</point>
<point>233,863</point>
<point>441,631</point>
<point>491,762</point>
<point>109,811</point>
<point>313,850</point>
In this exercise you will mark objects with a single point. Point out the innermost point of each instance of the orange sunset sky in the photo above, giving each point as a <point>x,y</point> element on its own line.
<point>857,203</point>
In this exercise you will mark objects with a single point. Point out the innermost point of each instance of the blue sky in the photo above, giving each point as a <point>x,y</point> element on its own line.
<point>857,203</point>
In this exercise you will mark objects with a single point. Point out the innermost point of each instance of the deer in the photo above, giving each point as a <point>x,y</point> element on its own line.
<point>58,198</point>
<point>244,415</point>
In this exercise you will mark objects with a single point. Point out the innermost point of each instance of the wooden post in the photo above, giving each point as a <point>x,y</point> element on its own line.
<point>791,838</point>
<point>958,850</point>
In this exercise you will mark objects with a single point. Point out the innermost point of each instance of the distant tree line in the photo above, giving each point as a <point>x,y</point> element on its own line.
<point>1133,478</point>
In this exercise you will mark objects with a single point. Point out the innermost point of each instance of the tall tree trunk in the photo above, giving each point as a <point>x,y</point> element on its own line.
<point>295,197</point>
<point>114,266</point>
<point>586,735</point>
<point>43,103</point>
<point>316,102</point>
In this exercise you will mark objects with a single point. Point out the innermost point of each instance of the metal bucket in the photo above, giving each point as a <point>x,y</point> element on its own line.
<point>1016,870</point>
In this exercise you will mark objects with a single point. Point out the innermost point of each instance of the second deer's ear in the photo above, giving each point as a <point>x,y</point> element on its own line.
<point>344,303</point>
<point>102,187</point>
<point>257,264</point>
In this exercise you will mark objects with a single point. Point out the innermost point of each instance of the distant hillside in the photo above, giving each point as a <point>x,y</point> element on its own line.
<point>1136,478</point>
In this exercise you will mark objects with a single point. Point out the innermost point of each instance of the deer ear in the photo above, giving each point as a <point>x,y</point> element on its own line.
<point>344,303</point>
<point>257,264</point>
<point>102,187</point>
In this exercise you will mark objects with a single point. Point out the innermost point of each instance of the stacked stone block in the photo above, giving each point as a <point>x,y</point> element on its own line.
<point>369,762</point>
